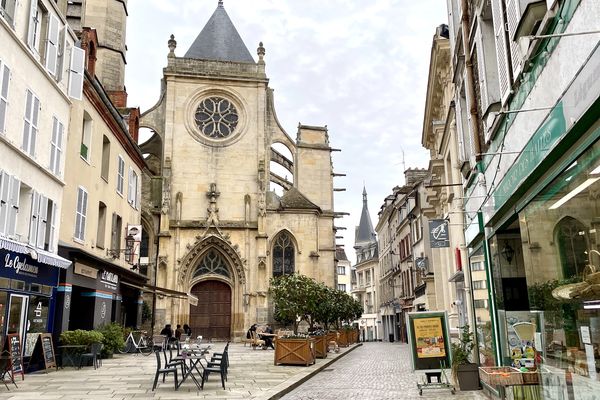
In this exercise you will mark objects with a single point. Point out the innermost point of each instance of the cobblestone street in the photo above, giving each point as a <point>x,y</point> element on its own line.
<point>374,371</point>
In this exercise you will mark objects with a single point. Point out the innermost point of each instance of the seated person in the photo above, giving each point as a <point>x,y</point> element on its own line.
<point>268,338</point>
<point>250,331</point>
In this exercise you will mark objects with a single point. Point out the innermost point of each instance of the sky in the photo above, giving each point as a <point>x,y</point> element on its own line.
<point>359,67</point>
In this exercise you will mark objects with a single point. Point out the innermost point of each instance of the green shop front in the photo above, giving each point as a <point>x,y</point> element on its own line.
<point>534,254</point>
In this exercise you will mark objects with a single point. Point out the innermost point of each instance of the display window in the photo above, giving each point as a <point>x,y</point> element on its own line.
<point>483,320</point>
<point>546,274</point>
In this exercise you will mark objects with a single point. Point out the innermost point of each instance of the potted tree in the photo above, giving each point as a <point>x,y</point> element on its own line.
<point>465,372</point>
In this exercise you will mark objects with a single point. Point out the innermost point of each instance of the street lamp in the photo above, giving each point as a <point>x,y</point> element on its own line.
<point>507,252</point>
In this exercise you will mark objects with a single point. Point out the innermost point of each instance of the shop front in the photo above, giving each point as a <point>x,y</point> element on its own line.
<point>28,279</point>
<point>96,292</point>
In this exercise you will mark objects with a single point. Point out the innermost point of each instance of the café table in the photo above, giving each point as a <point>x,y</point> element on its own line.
<point>195,361</point>
<point>71,352</point>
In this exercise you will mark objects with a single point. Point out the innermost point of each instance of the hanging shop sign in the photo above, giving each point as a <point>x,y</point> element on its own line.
<point>429,339</point>
<point>438,233</point>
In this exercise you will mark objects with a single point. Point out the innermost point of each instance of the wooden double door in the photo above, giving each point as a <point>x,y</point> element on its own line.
<point>211,318</point>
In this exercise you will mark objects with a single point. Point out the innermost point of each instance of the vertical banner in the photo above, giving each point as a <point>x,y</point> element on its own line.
<point>429,340</point>
<point>438,233</point>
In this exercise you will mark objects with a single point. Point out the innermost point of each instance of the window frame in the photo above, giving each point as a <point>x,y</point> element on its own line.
<point>80,214</point>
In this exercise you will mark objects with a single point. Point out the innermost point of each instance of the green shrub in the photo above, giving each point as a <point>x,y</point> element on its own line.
<point>113,338</point>
<point>81,337</point>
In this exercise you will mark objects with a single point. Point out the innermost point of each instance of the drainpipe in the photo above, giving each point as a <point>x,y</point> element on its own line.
<point>157,243</point>
<point>470,81</point>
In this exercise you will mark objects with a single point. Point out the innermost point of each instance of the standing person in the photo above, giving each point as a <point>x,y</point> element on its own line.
<point>187,330</point>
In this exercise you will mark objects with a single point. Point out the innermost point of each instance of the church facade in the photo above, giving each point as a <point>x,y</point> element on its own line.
<point>220,217</point>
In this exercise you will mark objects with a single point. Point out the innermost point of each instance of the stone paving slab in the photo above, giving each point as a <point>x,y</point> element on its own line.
<point>252,375</point>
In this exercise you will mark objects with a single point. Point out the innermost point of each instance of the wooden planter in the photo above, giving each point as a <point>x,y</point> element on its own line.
<point>295,351</point>
<point>353,336</point>
<point>343,339</point>
<point>332,337</point>
<point>321,343</point>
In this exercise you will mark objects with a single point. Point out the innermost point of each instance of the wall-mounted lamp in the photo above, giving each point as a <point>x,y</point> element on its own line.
<point>507,252</point>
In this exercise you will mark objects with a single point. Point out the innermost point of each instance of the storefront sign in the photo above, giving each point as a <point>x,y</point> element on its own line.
<point>19,263</point>
<point>22,267</point>
<point>429,337</point>
<point>438,233</point>
<point>84,270</point>
<point>109,280</point>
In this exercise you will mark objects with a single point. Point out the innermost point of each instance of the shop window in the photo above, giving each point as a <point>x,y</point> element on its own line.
<point>4,283</point>
<point>46,290</point>
<point>37,316</point>
<point>17,284</point>
<point>571,237</point>
<point>483,319</point>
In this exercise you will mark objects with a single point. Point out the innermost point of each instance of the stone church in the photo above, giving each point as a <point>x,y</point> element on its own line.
<point>221,218</point>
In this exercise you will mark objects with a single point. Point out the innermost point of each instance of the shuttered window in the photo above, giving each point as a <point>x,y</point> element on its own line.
<point>76,73</point>
<point>10,188</point>
<point>56,146</point>
<point>4,81</point>
<point>30,125</point>
<point>54,28</point>
<point>82,198</point>
<point>504,75</point>
<point>120,175</point>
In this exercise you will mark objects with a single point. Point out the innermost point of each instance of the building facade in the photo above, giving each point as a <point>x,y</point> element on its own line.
<point>365,283</point>
<point>101,215</point>
<point>240,200</point>
<point>527,112</point>
<point>344,270</point>
<point>36,86</point>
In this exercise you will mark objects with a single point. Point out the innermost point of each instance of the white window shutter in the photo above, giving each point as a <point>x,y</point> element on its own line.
<point>53,218</point>
<point>34,125</point>
<point>27,118</point>
<point>84,214</point>
<point>33,219</point>
<point>52,44</point>
<point>78,213</point>
<point>53,144</point>
<point>4,80</point>
<point>61,132</point>
<point>513,16</point>
<point>501,50</point>
<point>60,59</point>
<point>42,222</point>
<point>4,204</point>
<point>481,66</point>
<point>76,75</point>
<point>13,211</point>
<point>33,15</point>
<point>130,192</point>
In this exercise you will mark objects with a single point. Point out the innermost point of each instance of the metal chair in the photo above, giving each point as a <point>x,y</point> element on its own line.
<point>215,367</point>
<point>94,353</point>
<point>163,371</point>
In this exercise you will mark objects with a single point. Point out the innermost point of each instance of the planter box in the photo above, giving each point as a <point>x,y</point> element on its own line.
<point>295,351</point>
<point>501,376</point>
<point>343,339</point>
<point>332,337</point>
<point>321,343</point>
<point>468,377</point>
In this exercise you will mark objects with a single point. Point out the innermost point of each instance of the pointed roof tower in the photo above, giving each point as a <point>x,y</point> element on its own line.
<point>219,40</point>
<point>364,232</point>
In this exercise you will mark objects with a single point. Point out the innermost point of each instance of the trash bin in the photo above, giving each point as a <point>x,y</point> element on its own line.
<point>391,338</point>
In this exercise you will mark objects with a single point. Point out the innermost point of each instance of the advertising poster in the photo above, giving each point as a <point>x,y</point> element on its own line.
<point>429,340</point>
<point>429,337</point>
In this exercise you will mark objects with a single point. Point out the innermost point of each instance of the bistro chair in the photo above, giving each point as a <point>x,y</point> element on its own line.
<point>214,367</point>
<point>222,357</point>
<point>163,371</point>
<point>94,355</point>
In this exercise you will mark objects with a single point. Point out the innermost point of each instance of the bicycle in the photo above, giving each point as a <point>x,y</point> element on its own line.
<point>142,345</point>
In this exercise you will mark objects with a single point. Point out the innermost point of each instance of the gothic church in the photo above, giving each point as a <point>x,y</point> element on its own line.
<point>216,227</point>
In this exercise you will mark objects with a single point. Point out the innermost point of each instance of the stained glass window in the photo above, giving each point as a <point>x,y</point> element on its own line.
<point>212,264</point>
<point>216,117</point>
<point>283,255</point>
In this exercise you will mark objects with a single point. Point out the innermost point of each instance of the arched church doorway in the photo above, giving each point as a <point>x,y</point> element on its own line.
<point>211,318</point>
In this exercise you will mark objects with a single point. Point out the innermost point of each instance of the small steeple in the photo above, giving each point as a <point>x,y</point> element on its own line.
<point>220,3</point>
<point>364,195</point>
<point>365,234</point>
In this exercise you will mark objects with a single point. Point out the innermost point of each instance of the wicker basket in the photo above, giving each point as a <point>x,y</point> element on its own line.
<point>501,376</point>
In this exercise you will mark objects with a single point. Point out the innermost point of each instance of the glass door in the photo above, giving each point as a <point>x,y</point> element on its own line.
<point>17,311</point>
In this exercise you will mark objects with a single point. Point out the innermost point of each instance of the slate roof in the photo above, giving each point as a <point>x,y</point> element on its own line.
<point>219,41</point>
<point>364,231</point>
<point>340,254</point>
<point>294,199</point>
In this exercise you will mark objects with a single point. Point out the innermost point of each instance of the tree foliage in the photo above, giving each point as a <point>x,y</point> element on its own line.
<point>299,298</point>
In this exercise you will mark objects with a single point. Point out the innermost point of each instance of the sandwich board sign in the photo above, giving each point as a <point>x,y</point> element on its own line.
<point>429,340</point>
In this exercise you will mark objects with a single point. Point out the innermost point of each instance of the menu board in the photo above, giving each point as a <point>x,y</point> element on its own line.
<point>30,342</point>
<point>48,350</point>
<point>429,340</point>
<point>13,345</point>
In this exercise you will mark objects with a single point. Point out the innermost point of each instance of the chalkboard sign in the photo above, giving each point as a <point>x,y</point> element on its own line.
<point>30,342</point>
<point>13,345</point>
<point>48,350</point>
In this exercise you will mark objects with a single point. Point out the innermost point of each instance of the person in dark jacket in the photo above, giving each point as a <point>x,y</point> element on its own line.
<point>187,330</point>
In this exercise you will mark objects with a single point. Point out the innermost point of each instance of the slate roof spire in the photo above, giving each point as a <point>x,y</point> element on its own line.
<point>219,40</point>
<point>364,232</point>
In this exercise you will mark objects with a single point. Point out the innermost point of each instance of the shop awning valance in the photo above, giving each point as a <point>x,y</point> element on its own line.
<point>41,256</point>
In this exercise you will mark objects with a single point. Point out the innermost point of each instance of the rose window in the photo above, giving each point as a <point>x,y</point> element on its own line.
<point>216,117</point>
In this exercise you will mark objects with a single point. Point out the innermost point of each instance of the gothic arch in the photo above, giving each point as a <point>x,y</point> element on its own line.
<point>201,247</point>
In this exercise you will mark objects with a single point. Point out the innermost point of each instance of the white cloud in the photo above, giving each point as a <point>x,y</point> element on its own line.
<point>359,67</point>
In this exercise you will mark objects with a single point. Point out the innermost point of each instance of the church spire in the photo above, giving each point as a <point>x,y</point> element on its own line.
<point>219,40</point>
<point>364,232</point>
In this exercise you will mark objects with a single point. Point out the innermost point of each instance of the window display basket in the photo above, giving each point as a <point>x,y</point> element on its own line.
<point>531,377</point>
<point>501,376</point>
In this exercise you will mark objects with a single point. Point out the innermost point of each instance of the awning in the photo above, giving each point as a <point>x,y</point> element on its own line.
<point>41,256</point>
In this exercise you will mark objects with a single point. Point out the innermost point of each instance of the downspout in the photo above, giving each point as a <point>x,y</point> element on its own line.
<point>470,82</point>
<point>157,242</point>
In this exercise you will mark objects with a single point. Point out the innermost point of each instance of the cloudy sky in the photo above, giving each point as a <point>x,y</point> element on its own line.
<point>360,67</point>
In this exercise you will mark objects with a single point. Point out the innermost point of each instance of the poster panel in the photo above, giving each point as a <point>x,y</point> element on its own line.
<point>429,340</point>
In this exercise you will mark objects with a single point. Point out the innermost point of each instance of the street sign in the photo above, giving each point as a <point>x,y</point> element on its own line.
<point>438,233</point>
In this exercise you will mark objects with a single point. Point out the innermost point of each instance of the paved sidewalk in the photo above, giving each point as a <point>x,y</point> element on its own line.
<point>374,371</point>
<point>252,375</point>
